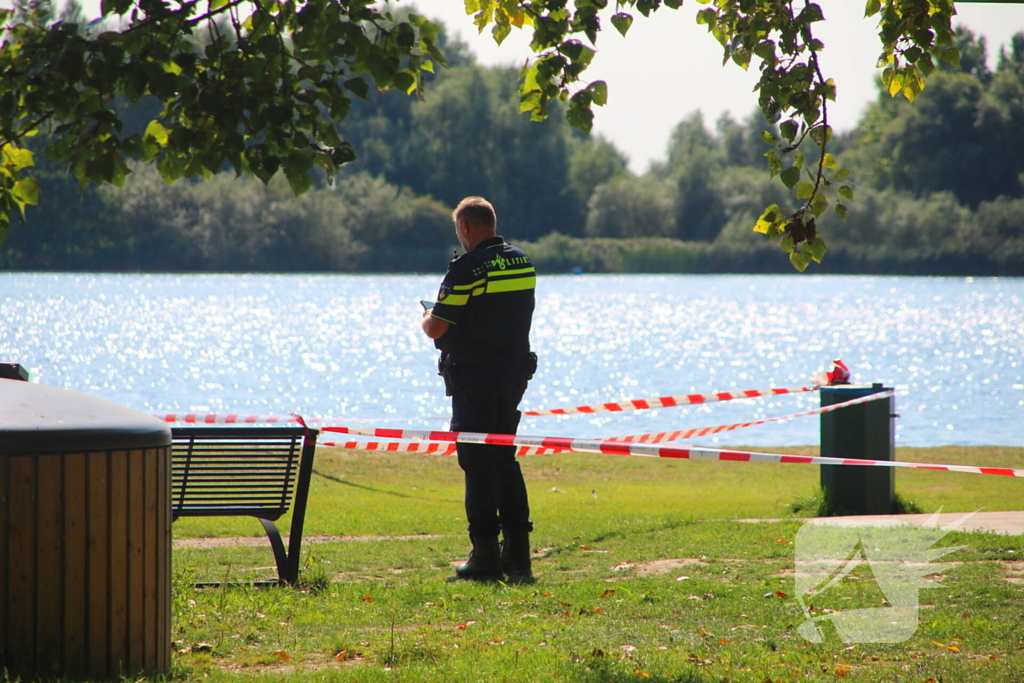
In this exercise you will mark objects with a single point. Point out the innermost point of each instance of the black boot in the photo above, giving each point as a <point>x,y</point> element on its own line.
<point>484,562</point>
<point>515,556</point>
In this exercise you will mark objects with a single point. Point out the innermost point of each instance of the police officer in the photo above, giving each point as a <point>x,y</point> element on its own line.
<point>481,324</point>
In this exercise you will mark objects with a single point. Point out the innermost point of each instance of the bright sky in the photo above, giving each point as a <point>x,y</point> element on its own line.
<point>667,66</point>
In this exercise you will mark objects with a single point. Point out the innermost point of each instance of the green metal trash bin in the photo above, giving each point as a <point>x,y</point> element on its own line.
<point>866,431</point>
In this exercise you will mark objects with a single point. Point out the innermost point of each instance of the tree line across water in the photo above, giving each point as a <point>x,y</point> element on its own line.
<point>940,190</point>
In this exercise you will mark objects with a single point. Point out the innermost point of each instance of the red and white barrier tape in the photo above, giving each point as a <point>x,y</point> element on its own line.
<point>215,419</point>
<point>652,451</point>
<point>662,437</point>
<point>638,404</point>
<point>668,401</point>
<point>429,447</point>
<point>448,448</point>
<point>218,419</point>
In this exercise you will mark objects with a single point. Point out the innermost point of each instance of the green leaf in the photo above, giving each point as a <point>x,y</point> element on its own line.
<point>790,177</point>
<point>873,7</point>
<point>774,163</point>
<point>841,210</point>
<point>741,58</point>
<point>950,55</point>
<point>599,92</point>
<point>765,50</point>
<point>26,191</point>
<point>846,192</point>
<point>800,260</point>
<point>17,158</point>
<point>804,190</point>
<point>821,135</point>
<point>788,129</point>
<point>358,87</point>
<point>810,14</point>
<point>114,6</point>
<point>343,153</point>
<point>299,182</point>
<point>769,217</point>
<point>404,81</point>
<point>818,205</point>
<point>842,174</point>
<point>895,82</point>
<point>296,168</point>
<point>120,171</point>
<point>171,168</point>
<point>157,133</point>
<point>815,249</point>
<point>829,161</point>
<point>133,146</point>
<point>578,115</point>
<point>926,65</point>
<point>622,21</point>
<point>769,137</point>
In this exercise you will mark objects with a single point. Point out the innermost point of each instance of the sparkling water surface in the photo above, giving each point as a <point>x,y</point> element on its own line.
<point>349,346</point>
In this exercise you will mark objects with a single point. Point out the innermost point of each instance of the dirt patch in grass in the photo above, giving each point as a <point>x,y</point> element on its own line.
<point>657,567</point>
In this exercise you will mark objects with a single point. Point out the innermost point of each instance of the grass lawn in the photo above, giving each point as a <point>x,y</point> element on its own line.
<point>643,574</point>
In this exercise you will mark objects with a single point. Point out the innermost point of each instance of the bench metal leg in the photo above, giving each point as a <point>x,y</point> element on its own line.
<point>280,556</point>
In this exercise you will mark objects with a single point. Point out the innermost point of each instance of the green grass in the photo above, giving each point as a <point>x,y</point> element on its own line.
<point>355,493</point>
<point>610,603</point>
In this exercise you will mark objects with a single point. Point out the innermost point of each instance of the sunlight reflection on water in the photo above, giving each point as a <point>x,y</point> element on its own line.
<point>350,346</point>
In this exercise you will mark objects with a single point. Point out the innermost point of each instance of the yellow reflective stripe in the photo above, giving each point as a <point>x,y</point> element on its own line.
<point>520,271</point>
<point>455,300</point>
<point>478,291</point>
<point>470,286</point>
<point>516,284</point>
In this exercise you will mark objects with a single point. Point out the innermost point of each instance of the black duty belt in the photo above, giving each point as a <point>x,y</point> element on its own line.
<point>474,358</point>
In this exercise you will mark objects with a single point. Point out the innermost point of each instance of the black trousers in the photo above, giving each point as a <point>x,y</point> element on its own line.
<point>485,398</point>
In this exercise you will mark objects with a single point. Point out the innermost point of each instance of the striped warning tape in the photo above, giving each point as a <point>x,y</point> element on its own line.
<point>653,451</point>
<point>662,437</point>
<point>448,448</point>
<point>218,419</point>
<point>215,419</point>
<point>428,447</point>
<point>637,404</point>
<point>668,401</point>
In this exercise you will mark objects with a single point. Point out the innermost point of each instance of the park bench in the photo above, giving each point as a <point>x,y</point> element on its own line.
<point>246,471</point>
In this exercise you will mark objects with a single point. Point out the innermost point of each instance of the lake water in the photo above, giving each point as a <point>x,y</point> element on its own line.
<point>349,346</point>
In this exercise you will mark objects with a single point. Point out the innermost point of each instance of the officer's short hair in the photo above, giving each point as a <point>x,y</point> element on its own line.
<point>477,211</point>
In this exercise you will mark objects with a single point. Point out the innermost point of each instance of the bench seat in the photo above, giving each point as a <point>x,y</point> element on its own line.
<point>246,471</point>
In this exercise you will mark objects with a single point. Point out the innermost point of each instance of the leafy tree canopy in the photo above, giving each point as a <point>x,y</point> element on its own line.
<point>259,84</point>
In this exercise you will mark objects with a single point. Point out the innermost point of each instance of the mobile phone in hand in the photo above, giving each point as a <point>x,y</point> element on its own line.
<point>427,305</point>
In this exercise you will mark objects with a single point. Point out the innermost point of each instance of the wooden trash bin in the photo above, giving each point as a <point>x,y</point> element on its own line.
<point>85,536</point>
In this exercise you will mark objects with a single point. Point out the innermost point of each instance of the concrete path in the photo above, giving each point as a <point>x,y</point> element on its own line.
<point>1008,522</point>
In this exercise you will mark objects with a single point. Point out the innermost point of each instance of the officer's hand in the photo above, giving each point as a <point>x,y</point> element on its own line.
<point>433,327</point>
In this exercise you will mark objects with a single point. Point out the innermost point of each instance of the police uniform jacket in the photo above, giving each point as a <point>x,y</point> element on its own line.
<point>487,297</point>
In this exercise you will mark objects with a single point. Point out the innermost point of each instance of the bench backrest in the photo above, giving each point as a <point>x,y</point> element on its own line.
<point>227,471</point>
